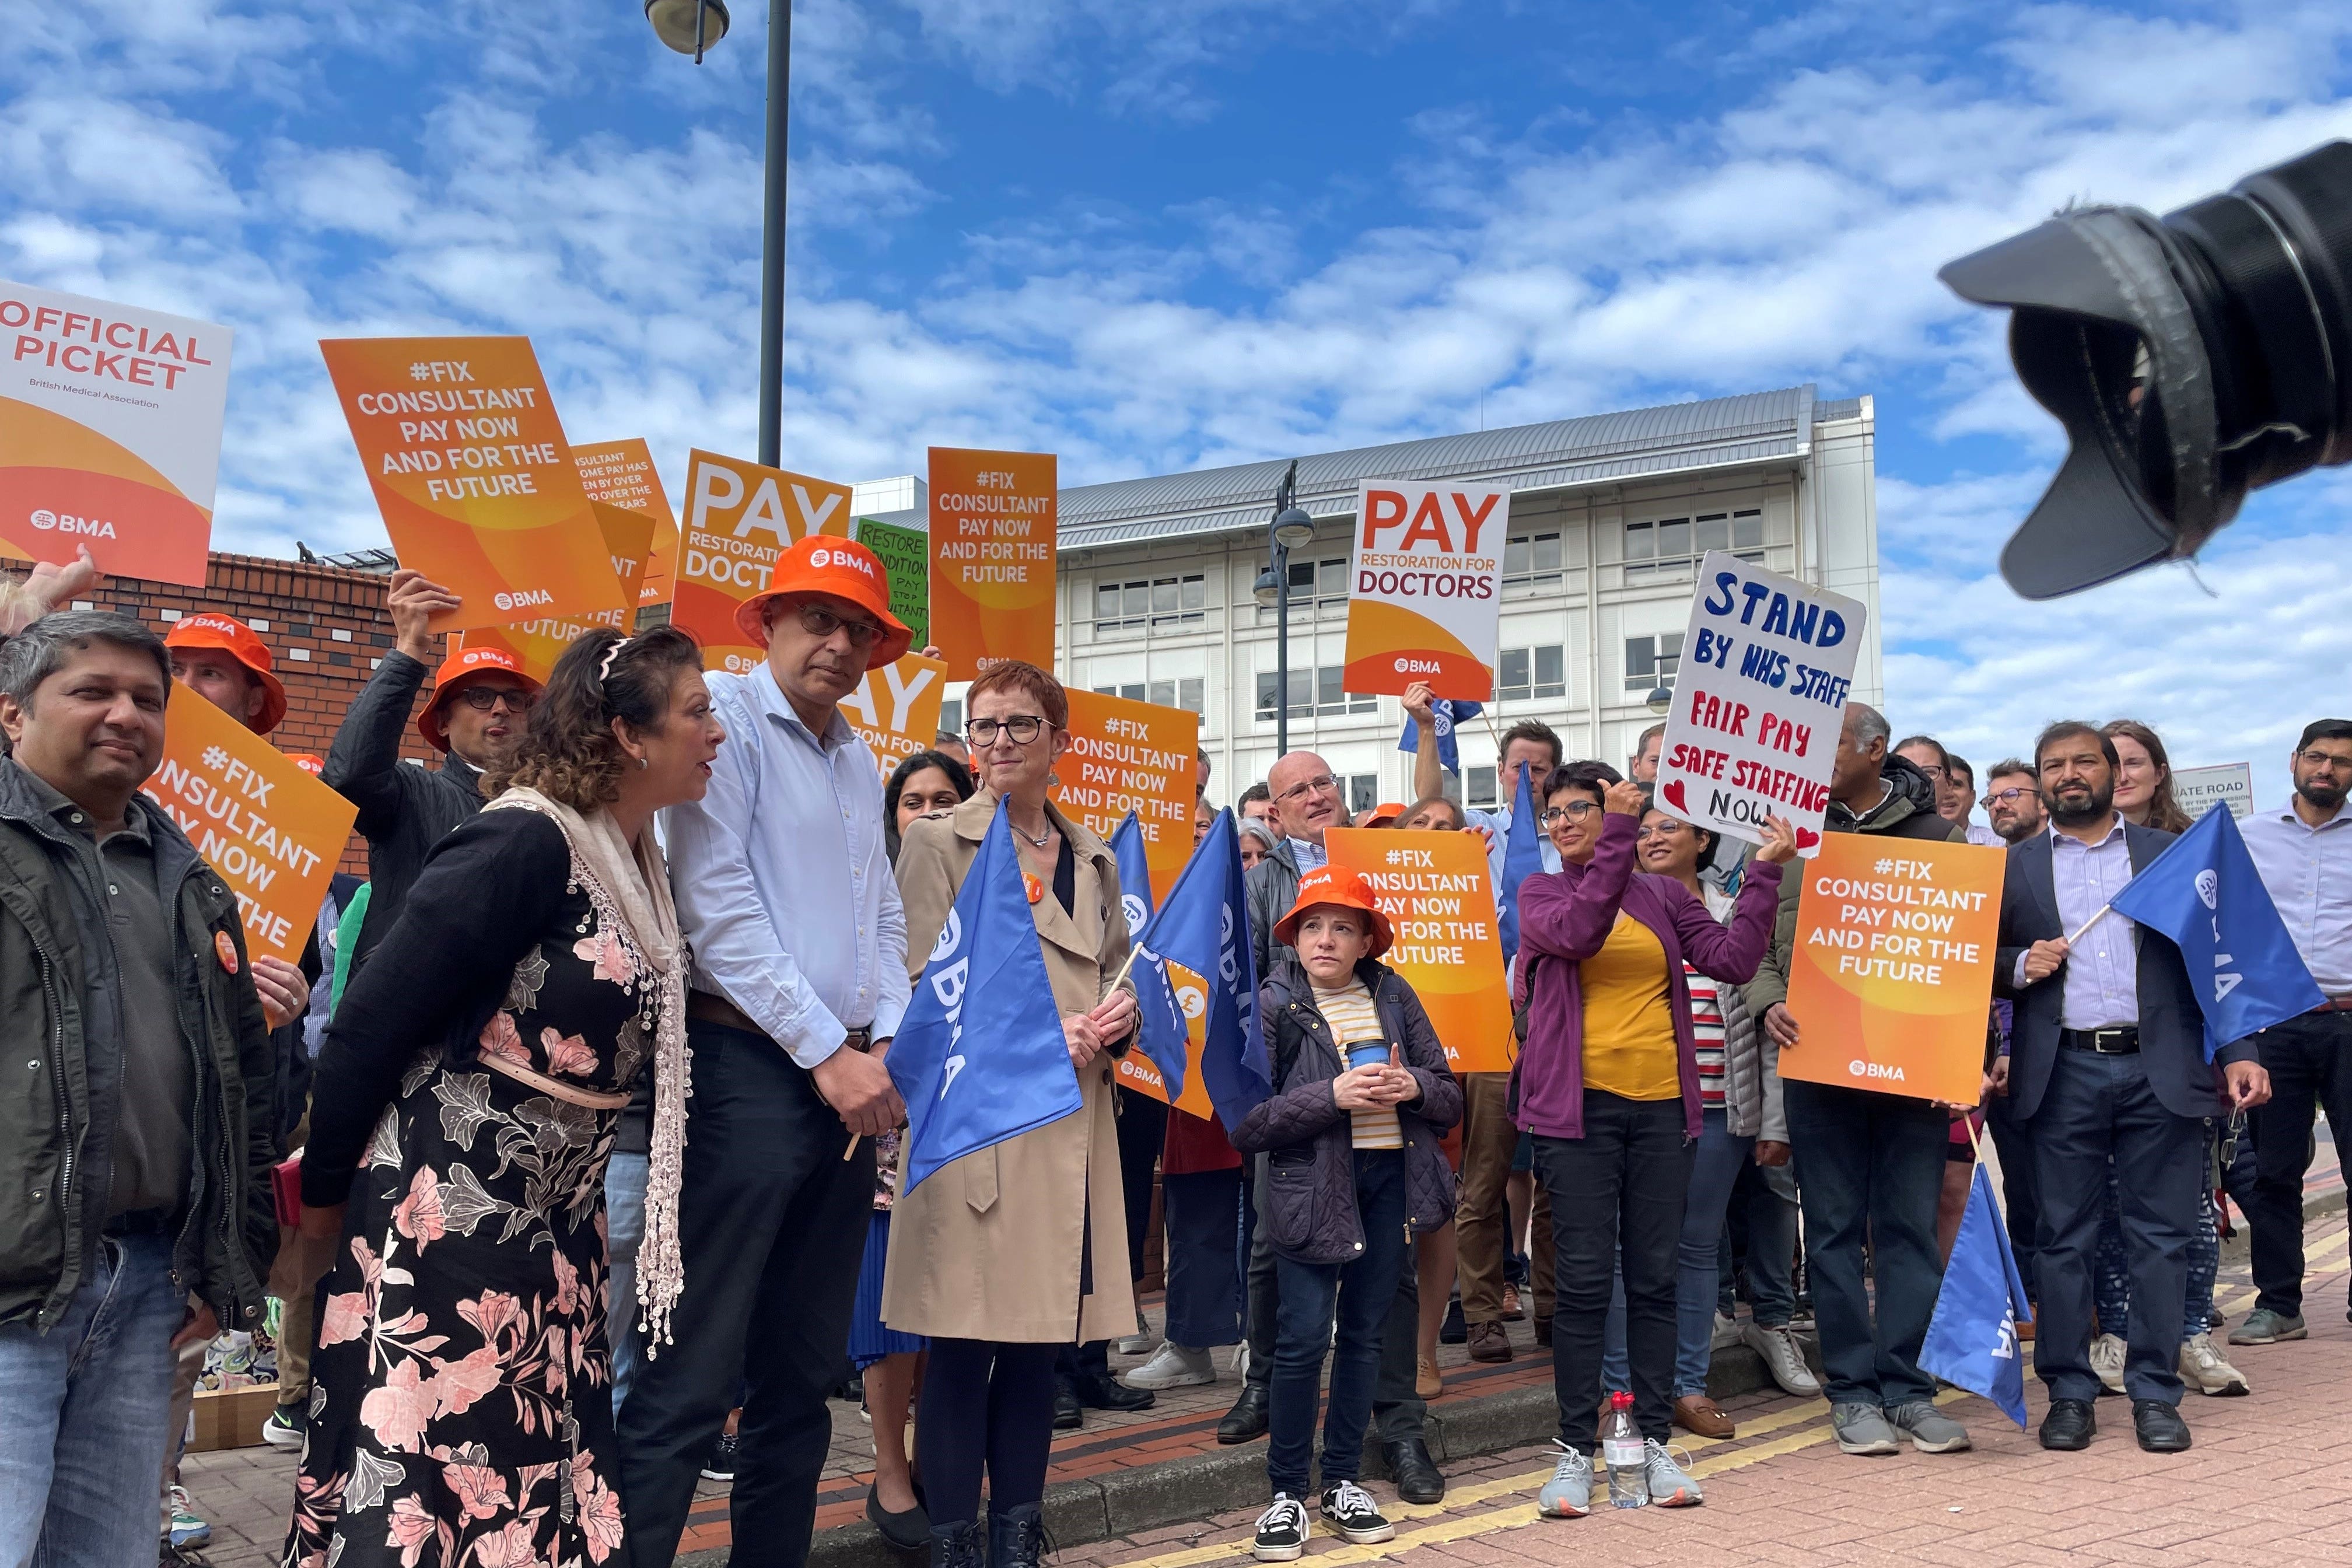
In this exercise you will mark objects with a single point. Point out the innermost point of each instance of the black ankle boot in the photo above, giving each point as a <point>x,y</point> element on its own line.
<point>1016,1536</point>
<point>955,1546</point>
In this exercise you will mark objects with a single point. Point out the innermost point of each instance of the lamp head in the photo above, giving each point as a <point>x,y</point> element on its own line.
<point>674,23</point>
<point>1268,588</point>
<point>1660,700</point>
<point>1293,528</point>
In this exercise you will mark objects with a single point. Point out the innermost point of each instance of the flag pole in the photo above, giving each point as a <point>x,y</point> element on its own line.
<point>2096,915</point>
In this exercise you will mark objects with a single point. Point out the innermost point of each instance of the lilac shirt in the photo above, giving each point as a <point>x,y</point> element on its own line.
<point>2102,972</point>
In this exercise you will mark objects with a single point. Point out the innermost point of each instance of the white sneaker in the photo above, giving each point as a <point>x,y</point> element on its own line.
<point>1173,1366</point>
<point>2205,1369</point>
<point>2108,1353</point>
<point>1568,1493</point>
<point>1782,1360</point>
<point>1137,1343</point>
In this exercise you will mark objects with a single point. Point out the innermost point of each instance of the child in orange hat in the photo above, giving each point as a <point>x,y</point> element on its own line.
<point>1354,1167</point>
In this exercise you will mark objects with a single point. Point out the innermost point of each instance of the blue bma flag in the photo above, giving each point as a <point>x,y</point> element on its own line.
<point>980,1057</point>
<point>1196,982</point>
<point>1444,714</point>
<point>1972,1339</point>
<point>1522,858</point>
<point>1134,873</point>
<point>2204,893</point>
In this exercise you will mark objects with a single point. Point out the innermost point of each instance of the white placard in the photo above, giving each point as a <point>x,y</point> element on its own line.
<point>1758,700</point>
<point>2198,790</point>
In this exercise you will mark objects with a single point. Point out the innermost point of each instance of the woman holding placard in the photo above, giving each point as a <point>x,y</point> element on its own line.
<point>1608,1085</point>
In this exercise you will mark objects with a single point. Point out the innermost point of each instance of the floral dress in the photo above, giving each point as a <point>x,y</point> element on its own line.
<point>461,1410</point>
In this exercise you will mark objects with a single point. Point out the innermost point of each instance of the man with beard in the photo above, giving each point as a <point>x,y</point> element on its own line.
<point>2108,1063</point>
<point>2303,851</point>
<point>2012,801</point>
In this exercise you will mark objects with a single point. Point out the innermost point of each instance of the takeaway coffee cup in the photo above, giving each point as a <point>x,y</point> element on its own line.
<point>1366,1053</point>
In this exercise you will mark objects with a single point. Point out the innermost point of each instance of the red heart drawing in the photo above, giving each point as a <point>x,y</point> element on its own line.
<point>1672,790</point>
<point>1807,838</point>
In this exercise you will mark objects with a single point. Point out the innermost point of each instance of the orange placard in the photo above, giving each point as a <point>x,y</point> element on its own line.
<point>538,644</point>
<point>473,476</point>
<point>271,831</point>
<point>629,541</point>
<point>1439,895</point>
<point>993,537</point>
<point>621,474</point>
<point>896,711</point>
<point>1425,588</point>
<point>1126,756</point>
<point>739,516</point>
<point>1139,1073</point>
<point>1890,977</point>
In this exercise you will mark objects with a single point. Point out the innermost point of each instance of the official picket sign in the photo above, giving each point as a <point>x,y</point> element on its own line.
<point>473,476</point>
<point>1425,588</point>
<point>621,474</point>
<point>993,535</point>
<point>1766,664</point>
<point>110,432</point>
<point>896,711</point>
<point>271,831</point>
<point>1890,979</point>
<point>1126,756</point>
<point>739,516</point>
<point>1439,895</point>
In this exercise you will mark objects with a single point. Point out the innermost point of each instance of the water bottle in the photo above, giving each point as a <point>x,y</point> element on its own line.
<point>1623,1453</point>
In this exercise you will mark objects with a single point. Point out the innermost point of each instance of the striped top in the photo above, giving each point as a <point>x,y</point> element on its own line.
<point>1352,1018</point>
<point>1706,1037</point>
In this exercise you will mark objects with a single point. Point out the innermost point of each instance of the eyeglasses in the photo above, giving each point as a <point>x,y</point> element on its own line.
<point>1023,727</point>
<point>482,699</point>
<point>1659,830</point>
<point>820,622</point>
<point>1306,787</point>
<point>2005,796</point>
<point>1935,775</point>
<point>1574,811</point>
<point>2313,757</point>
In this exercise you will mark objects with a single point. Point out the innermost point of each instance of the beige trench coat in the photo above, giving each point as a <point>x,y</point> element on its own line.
<point>988,1248</point>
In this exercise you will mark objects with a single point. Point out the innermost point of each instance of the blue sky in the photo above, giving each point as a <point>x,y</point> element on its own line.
<point>1155,236</point>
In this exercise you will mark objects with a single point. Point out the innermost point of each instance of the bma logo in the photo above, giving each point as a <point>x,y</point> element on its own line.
<point>1131,905</point>
<point>50,522</point>
<point>820,556</point>
<point>2209,888</point>
<point>522,598</point>
<point>1861,1068</point>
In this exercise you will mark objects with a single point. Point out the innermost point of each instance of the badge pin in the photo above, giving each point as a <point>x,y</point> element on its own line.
<point>226,951</point>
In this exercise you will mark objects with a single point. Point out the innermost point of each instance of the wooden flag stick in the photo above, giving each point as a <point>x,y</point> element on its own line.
<point>2096,915</point>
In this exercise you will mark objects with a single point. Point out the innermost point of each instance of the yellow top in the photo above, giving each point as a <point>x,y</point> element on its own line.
<point>1628,1019</point>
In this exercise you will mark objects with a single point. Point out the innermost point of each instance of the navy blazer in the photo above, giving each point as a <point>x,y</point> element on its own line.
<point>2171,1025</point>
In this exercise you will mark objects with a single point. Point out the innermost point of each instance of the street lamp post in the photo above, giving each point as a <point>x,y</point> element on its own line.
<point>1290,529</point>
<point>691,27</point>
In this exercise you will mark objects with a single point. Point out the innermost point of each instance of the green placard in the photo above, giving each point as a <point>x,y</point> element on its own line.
<point>906,554</point>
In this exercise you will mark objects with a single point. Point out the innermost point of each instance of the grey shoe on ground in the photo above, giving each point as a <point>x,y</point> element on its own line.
<point>1568,1493</point>
<point>1670,1485</point>
<point>1784,1361</point>
<point>1930,1430</point>
<point>1862,1429</point>
<point>2264,1327</point>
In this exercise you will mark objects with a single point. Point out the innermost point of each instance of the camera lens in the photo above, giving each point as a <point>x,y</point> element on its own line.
<point>2190,359</point>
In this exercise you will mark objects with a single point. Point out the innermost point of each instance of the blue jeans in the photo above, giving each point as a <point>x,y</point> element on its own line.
<point>1697,1266</point>
<point>84,1412</point>
<point>1361,1292</point>
<point>624,1227</point>
<point>1772,1248</point>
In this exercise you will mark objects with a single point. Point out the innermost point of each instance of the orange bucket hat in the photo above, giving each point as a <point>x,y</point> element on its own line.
<point>1334,885</point>
<point>457,672</point>
<point>841,569</point>
<point>210,628</point>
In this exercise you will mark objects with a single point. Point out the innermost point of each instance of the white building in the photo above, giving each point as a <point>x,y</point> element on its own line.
<point>1609,514</point>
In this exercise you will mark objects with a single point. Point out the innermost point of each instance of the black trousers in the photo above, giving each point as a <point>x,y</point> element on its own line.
<point>1617,1190</point>
<point>772,1226</point>
<point>985,1405</point>
<point>2310,1063</point>
<point>2098,1108</point>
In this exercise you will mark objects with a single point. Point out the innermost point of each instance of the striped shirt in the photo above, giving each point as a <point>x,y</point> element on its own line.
<point>1352,1018</point>
<point>1706,1036</point>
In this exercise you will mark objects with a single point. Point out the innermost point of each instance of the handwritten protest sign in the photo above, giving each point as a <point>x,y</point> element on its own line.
<point>906,555</point>
<point>1126,756</point>
<point>110,432</point>
<point>1760,697</point>
<point>1439,895</point>
<point>1890,977</point>
<point>1425,588</point>
<point>621,474</point>
<point>271,831</point>
<point>739,516</point>
<point>896,711</point>
<point>473,475</point>
<point>993,541</point>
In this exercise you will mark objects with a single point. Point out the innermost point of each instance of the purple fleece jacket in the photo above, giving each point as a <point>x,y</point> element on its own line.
<point>1566,915</point>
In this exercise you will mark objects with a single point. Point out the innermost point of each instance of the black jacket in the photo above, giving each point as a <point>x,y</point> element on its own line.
<point>404,810</point>
<point>2171,1024</point>
<point>1268,892</point>
<point>59,1107</point>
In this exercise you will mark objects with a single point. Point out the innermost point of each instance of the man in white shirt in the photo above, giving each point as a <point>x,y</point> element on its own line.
<point>785,893</point>
<point>2303,851</point>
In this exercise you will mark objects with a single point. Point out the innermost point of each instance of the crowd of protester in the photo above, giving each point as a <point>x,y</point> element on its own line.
<point>599,1151</point>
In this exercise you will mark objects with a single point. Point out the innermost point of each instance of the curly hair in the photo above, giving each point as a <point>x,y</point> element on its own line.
<point>569,751</point>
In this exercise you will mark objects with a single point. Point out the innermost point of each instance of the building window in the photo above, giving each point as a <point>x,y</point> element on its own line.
<point>1316,588</point>
<point>1532,561</point>
<point>1651,662</point>
<point>1528,673</point>
<point>1187,693</point>
<point>1312,692</point>
<point>1478,787</point>
<point>1364,792</point>
<point>1670,547</point>
<point>1161,603</point>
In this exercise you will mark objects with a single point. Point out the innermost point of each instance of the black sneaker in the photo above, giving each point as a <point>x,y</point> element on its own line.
<point>1454,1330</point>
<point>1281,1531</point>
<point>721,1464</point>
<point>1350,1510</point>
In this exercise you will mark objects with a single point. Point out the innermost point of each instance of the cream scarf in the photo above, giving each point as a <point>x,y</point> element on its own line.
<point>635,885</point>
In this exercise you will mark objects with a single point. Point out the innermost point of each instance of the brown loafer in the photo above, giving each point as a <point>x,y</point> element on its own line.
<point>1489,1341</point>
<point>1702,1417</point>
